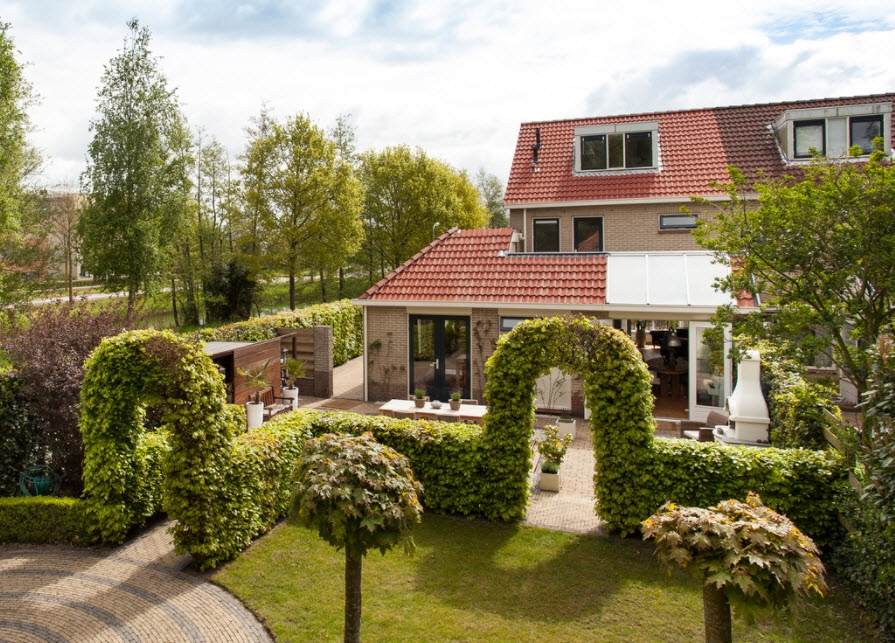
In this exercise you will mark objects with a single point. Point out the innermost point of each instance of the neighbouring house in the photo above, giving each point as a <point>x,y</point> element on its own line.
<point>596,229</point>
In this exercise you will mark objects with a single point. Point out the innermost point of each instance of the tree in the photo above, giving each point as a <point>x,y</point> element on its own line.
<point>746,555</point>
<point>818,251</point>
<point>63,220</point>
<point>313,201</point>
<point>21,257</point>
<point>358,495</point>
<point>134,181</point>
<point>408,196</point>
<point>491,189</point>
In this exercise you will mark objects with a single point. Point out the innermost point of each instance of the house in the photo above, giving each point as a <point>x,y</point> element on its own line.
<point>596,229</point>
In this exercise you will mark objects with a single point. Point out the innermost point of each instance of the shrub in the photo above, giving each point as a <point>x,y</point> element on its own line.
<point>45,520</point>
<point>345,318</point>
<point>19,447</point>
<point>48,348</point>
<point>799,409</point>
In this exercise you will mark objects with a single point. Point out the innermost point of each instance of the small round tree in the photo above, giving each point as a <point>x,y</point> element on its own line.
<point>747,555</point>
<point>359,495</point>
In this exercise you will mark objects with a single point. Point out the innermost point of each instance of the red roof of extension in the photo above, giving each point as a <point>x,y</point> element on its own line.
<point>695,147</point>
<point>471,266</point>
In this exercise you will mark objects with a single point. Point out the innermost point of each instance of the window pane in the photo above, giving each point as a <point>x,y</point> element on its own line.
<point>677,221</point>
<point>546,235</point>
<point>593,152</point>
<point>864,129</point>
<point>808,134</point>
<point>639,149</point>
<point>589,234</point>
<point>616,150</point>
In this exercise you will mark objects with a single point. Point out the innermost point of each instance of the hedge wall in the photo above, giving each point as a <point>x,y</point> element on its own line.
<point>346,319</point>
<point>43,520</point>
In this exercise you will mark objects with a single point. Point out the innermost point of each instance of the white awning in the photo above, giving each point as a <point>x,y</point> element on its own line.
<point>664,280</point>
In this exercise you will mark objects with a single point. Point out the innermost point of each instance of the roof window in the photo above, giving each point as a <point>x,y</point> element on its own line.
<point>832,130</point>
<point>620,146</point>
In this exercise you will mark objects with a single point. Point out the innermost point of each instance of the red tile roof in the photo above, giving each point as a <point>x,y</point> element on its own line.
<point>468,266</point>
<point>695,147</point>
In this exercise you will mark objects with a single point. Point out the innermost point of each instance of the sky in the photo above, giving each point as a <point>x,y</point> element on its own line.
<point>454,78</point>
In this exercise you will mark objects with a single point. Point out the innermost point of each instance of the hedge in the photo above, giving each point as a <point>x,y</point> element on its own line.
<point>43,519</point>
<point>346,319</point>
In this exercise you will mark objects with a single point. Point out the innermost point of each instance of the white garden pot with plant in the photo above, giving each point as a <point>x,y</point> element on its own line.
<point>552,450</point>
<point>295,370</point>
<point>256,380</point>
<point>254,414</point>
<point>567,426</point>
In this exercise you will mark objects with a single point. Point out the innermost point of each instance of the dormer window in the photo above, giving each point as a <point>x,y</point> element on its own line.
<point>621,146</point>
<point>832,130</point>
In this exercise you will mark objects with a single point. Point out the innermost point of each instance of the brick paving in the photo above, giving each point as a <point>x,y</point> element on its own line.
<point>136,593</point>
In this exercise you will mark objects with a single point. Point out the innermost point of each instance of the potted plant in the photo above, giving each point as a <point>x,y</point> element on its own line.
<point>295,370</point>
<point>455,400</point>
<point>566,425</point>
<point>552,450</point>
<point>419,398</point>
<point>256,380</point>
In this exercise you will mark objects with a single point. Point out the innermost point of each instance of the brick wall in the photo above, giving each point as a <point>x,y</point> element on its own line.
<point>625,227</point>
<point>484,331</point>
<point>386,353</point>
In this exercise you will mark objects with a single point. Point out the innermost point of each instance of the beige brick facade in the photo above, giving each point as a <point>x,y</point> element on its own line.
<point>626,227</point>
<point>386,353</point>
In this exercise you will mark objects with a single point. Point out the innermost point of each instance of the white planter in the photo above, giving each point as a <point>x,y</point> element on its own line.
<point>566,427</point>
<point>293,394</point>
<point>254,414</point>
<point>549,481</point>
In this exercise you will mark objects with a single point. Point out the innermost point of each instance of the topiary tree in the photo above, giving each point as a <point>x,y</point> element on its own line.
<point>748,557</point>
<point>359,495</point>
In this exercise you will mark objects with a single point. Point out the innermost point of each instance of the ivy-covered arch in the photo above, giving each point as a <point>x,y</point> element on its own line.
<point>618,392</point>
<point>124,376</point>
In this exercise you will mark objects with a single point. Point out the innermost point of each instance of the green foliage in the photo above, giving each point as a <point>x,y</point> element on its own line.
<point>346,319</point>
<point>124,375</point>
<point>43,520</point>
<point>756,555</point>
<point>800,483</point>
<point>553,448</point>
<point>357,493</point>
<point>134,180</point>
<point>406,194</point>
<point>294,369</point>
<point>491,190</point>
<point>820,249</point>
<point>799,409</point>
<point>256,378</point>
<point>19,160</point>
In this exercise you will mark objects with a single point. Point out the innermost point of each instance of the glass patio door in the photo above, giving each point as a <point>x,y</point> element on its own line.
<point>439,355</point>
<point>709,371</point>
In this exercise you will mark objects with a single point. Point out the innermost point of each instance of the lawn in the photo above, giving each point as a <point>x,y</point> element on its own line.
<point>480,581</point>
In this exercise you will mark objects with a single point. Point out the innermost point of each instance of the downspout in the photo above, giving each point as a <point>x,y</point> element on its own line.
<point>364,353</point>
<point>524,229</point>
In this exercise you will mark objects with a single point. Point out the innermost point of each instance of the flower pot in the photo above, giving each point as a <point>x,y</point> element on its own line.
<point>549,481</point>
<point>254,414</point>
<point>455,405</point>
<point>420,402</point>
<point>567,427</point>
<point>293,394</point>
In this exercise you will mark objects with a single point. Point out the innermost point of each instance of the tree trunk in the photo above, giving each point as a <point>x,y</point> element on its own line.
<point>352,597</point>
<point>322,286</point>
<point>174,300</point>
<point>341,283</point>
<point>716,614</point>
<point>291,290</point>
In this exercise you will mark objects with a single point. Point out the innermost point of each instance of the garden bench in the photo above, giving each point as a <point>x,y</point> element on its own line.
<point>271,407</point>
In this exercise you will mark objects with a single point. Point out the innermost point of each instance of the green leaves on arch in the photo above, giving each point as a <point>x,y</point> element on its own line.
<point>617,389</point>
<point>124,376</point>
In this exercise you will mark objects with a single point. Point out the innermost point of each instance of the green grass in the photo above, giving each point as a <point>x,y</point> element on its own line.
<point>479,581</point>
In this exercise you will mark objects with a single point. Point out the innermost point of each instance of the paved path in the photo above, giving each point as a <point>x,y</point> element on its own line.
<point>137,593</point>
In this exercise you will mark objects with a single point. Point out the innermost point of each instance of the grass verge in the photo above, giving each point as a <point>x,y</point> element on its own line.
<point>486,582</point>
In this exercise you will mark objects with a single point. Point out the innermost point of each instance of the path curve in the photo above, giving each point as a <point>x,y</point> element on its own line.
<point>138,593</point>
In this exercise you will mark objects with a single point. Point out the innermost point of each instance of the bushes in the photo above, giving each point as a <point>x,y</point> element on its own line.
<point>802,484</point>
<point>799,409</point>
<point>345,318</point>
<point>19,447</point>
<point>43,520</point>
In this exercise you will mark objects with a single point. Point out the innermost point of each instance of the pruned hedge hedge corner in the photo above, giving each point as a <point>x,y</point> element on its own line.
<point>43,520</point>
<point>224,486</point>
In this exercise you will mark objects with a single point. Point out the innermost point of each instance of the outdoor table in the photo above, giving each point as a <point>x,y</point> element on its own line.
<point>669,378</point>
<point>467,413</point>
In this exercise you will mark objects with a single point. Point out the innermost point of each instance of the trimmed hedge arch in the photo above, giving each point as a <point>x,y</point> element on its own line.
<point>617,387</point>
<point>122,468</point>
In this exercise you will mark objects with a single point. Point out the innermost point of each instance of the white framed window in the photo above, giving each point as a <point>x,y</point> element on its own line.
<point>619,146</point>
<point>832,131</point>
<point>546,235</point>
